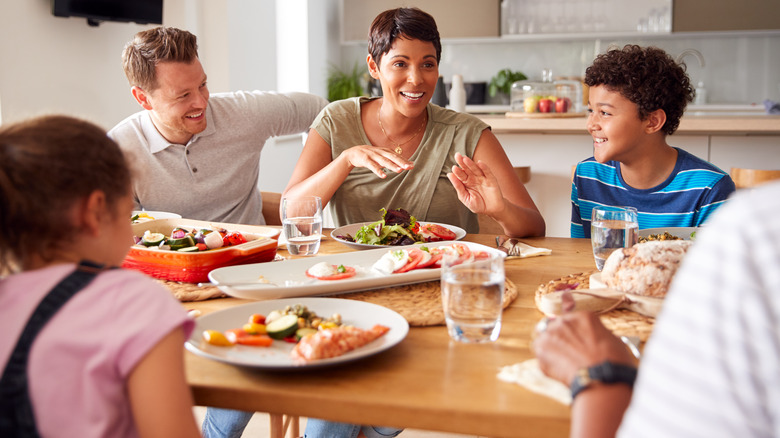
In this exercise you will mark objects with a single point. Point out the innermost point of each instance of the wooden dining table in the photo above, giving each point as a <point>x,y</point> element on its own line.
<point>427,381</point>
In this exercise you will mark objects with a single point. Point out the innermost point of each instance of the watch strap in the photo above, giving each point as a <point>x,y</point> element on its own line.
<point>605,372</point>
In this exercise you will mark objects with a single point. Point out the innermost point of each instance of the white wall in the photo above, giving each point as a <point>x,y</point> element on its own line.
<point>52,64</point>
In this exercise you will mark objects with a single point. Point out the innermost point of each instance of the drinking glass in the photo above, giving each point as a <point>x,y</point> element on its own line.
<point>612,228</point>
<point>302,224</point>
<point>472,294</point>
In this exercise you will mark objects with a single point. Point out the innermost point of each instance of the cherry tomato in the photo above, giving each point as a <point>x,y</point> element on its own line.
<point>257,318</point>
<point>439,232</point>
<point>254,328</point>
<point>201,246</point>
<point>215,337</point>
<point>348,271</point>
<point>233,238</point>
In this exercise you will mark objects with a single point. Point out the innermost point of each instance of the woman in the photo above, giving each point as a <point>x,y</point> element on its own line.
<point>400,151</point>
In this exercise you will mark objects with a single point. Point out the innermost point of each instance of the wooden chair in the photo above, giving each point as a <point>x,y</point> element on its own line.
<point>487,225</point>
<point>747,178</point>
<point>271,203</point>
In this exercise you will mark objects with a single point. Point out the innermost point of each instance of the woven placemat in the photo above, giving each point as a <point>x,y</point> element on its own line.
<point>621,322</point>
<point>420,303</point>
<point>192,292</point>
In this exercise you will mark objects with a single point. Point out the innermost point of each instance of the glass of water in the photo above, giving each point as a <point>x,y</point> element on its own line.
<point>472,292</point>
<point>612,228</point>
<point>302,224</point>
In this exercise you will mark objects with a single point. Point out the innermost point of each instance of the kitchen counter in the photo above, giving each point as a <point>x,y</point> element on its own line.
<point>712,123</point>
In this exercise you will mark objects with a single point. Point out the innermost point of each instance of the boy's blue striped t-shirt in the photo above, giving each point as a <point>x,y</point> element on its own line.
<point>686,199</point>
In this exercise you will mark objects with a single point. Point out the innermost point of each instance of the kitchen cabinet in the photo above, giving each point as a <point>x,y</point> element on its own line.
<point>725,15</point>
<point>454,18</point>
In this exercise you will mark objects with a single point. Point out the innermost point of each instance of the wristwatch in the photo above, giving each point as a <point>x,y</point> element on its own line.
<point>605,372</point>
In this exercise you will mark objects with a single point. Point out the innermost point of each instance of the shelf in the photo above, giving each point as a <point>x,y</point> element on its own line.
<point>554,37</point>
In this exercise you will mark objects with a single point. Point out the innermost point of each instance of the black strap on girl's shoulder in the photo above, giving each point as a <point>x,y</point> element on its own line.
<point>16,414</point>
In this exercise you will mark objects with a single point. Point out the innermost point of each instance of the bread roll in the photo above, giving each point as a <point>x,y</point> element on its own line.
<point>645,268</point>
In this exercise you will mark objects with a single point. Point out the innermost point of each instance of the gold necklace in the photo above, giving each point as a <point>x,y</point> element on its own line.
<point>398,149</point>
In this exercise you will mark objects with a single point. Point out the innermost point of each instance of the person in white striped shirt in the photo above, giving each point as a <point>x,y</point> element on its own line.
<point>711,366</point>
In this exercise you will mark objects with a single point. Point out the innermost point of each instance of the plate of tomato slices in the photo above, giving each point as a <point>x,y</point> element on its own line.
<point>341,273</point>
<point>428,232</point>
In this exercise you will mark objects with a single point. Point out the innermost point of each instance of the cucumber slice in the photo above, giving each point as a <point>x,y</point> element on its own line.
<point>152,239</point>
<point>177,244</point>
<point>188,249</point>
<point>283,327</point>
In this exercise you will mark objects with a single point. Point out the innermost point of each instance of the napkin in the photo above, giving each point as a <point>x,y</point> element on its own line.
<point>528,375</point>
<point>514,248</point>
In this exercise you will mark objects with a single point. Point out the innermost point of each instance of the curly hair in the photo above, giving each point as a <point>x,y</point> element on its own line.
<point>150,47</point>
<point>47,165</point>
<point>648,77</point>
<point>410,23</point>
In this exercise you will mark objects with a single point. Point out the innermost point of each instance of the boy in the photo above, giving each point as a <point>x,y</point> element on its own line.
<point>636,98</point>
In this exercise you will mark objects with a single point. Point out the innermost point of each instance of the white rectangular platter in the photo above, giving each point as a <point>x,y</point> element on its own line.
<point>287,279</point>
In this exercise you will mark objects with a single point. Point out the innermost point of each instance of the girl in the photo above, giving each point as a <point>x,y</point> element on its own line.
<point>109,362</point>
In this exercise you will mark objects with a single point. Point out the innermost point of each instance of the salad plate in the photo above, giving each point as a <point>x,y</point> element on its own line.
<point>277,357</point>
<point>351,229</point>
<point>286,279</point>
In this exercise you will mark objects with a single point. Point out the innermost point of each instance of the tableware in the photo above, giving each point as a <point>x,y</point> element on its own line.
<point>277,356</point>
<point>351,229</point>
<point>154,215</point>
<point>471,293</point>
<point>302,224</point>
<point>685,233</point>
<point>612,228</point>
<point>194,267</point>
<point>288,278</point>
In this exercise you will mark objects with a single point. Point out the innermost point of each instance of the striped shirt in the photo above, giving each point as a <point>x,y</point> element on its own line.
<point>686,199</point>
<point>712,365</point>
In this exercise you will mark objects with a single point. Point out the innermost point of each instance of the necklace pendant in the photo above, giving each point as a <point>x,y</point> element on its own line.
<point>398,150</point>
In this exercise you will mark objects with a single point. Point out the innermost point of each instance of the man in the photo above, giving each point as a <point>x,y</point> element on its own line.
<point>193,153</point>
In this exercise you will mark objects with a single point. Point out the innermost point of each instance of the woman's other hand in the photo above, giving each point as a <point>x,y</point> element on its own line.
<point>376,159</point>
<point>577,340</point>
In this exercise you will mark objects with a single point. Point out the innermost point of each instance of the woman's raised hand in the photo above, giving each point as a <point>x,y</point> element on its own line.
<point>376,159</point>
<point>476,185</point>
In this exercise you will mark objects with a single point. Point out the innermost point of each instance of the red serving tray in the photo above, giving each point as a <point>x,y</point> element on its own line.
<point>194,267</point>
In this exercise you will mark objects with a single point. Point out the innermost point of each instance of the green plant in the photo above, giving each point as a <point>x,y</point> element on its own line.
<point>503,81</point>
<point>342,85</point>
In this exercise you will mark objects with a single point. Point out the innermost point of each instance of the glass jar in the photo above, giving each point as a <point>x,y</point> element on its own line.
<point>561,96</point>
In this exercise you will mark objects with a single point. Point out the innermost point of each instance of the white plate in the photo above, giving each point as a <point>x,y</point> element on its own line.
<point>681,232</point>
<point>460,233</point>
<point>277,356</point>
<point>157,214</point>
<point>288,278</point>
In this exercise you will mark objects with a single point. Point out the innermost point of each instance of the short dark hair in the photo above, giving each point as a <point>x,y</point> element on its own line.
<point>47,165</point>
<point>411,23</point>
<point>648,77</point>
<point>150,47</point>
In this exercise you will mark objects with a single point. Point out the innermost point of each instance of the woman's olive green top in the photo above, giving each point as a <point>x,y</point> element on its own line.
<point>424,191</point>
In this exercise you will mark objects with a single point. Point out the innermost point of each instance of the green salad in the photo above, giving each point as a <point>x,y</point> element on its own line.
<point>397,227</point>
